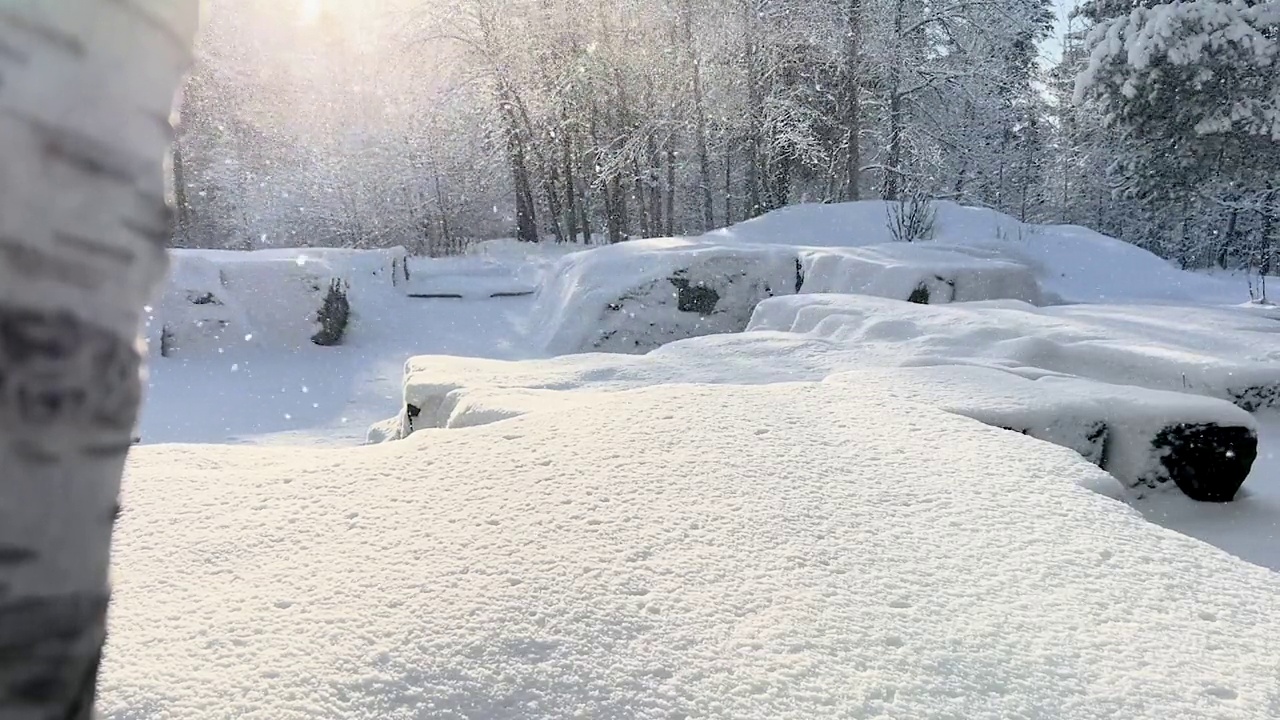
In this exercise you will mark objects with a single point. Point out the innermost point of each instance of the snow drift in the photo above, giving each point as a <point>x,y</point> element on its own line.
<point>215,300</point>
<point>1228,353</point>
<point>1119,384</point>
<point>791,551</point>
<point>1072,263</point>
<point>1146,439</point>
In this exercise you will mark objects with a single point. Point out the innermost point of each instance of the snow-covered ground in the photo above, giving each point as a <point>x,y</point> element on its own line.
<point>821,517</point>
<point>698,551</point>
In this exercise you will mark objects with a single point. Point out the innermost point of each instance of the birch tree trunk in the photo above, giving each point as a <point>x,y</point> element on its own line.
<point>86,88</point>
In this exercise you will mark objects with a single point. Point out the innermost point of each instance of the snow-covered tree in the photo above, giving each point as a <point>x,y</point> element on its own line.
<point>1192,91</point>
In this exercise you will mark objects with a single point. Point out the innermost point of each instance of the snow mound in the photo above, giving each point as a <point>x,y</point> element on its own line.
<point>920,274</point>
<point>639,295</point>
<point>1228,353</point>
<point>1071,262</point>
<point>215,300</point>
<point>1146,439</point>
<point>782,552</point>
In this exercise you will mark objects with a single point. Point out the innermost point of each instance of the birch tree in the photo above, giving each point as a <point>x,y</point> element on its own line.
<point>86,88</point>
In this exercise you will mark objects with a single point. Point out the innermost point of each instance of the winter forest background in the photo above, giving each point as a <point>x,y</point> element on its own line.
<point>432,124</point>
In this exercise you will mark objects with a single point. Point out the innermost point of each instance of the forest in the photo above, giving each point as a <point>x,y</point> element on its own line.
<point>431,125</point>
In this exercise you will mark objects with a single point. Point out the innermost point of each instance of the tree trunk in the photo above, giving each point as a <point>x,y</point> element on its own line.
<point>551,186</point>
<point>653,172</point>
<point>642,199</point>
<point>570,195</point>
<point>893,160</point>
<point>755,119</point>
<point>526,220</point>
<point>728,187</point>
<point>699,121</point>
<point>445,236</point>
<point>671,187</point>
<point>84,123</point>
<point>853,100</point>
<point>182,224</point>
<point>616,209</point>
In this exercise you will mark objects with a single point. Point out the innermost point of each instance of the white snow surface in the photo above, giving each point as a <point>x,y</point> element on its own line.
<point>1230,353</point>
<point>780,551</point>
<point>1072,263</point>
<point>1111,425</point>
<point>692,533</point>
<point>1217,352</point>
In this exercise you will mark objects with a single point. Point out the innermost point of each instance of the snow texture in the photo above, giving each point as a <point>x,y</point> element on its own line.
<point>775,552</point>
<point>1228,353</point>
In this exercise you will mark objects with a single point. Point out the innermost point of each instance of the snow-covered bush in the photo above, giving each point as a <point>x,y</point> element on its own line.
<point>911,220</point>
<point>333,315</point>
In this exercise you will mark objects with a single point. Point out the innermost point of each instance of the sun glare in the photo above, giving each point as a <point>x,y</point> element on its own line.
<point>311,11</point>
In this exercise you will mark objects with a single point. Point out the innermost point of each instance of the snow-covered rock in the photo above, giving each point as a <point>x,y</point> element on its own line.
<point>216,300</point>
<point>639,295</point>
<point>1228,353</point>
<point>782,552</point>
<point>916,272</point>
<point>635,296</point>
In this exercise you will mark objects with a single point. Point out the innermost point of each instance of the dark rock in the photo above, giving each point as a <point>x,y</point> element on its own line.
<point>411,412</point>
<point>919,296</point>
<point>1208,462</point>
<point>692,298</point>
<point>799,276</point>
<point>1253,399</point>
<point>203,299</point>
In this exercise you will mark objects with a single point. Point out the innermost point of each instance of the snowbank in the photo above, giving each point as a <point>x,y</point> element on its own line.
<point>479,276</point>
<point>920,274</point>
<point>1228,353</point>
<point>639,295</point>
<point>1071,262</point>
<point>215,300</point>
<point>784,552</point>
<point>1146,439</point>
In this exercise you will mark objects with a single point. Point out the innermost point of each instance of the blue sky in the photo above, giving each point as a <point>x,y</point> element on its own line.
<point>1052,48</point>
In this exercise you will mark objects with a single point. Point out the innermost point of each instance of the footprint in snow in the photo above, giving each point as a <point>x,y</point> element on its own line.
<point>1221,692</point>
